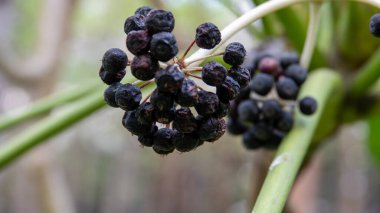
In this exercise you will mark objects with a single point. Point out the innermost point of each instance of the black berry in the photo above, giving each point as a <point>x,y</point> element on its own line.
<point>187,96</point>
<point>374,25</point>
<point>297,73</point>
<point>211,129</point>
<point>184,120</point>
<point>286,121</point>
<point>250,142</point>
<point>261,83</point>
<point>286,88</point>
<point>240,74</point>
<point>308,105</point>
<point>114,60</point>
<point>207,36</point>
<point>148,139</point>
<point>144,10</point>
<point>134,23</point>
<point>131,123</point>
<point>163,139</point>
<point>111,77</point>
<point>169,79</point>
<point>228,90</point>
<point>234,54</point>
<point>161,100</point>
<point>248,111</point>
<point>222,111</point>
<point>159,21</point>
<point>271,110</point>
<point>214,73</point>
<point>288,59</point>
<point>235,127</point>
<point>144,67</point>
<point>138,42</point>
<point>208,103</point>
<point>185,142</point>
<point>128,96</point>
<point>146,113</point>
<point>163,46</point>
<point>109,94</point>
<point>165,116</point>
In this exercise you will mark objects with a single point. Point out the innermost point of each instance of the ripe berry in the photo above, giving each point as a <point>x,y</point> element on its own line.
<point>286,121</point>
<point>248,111</point>
<point>144,67</point>
<point>138,42</point>
<point>275,140</point>
<point>222,111</point>
<point>308,105</point>
<point>162,152</point>
<point>165,116</point>
<point>144,10</point>
<point>159,21</point>
<point>207,36</point>
<point>297,73</point>
<point>250,142</point>
<point>261,132</point>
<point>228,90</point>
<point>235,127</point>
<point>269,65</point>
<point>146,113</point>
<point>111,77</point>
<point>261,83</point>
<point>271,110</point>
<point>114,60</point>
<point>163,139</point>
<point>234,54</point>
<point>288,59</point>
<point>257,59</point>
<point>147,140</point>
<point>185,142</point>
<point>131,123</point>
<point>128,96</point>
<point>208,103</point>
<point>162,100</point>
<point>187,96</point>
<point>184,121</point>
<point>134,23</point>
<point>163,46</point>
<point>286,88</point>
<point>109,94</point>
<point>169,79</point>
<point>211,129</point>
<point>374,25</point>
<point>240,74</point>
<point>214,73</point>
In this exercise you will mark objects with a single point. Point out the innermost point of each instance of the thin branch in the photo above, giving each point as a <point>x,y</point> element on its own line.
<point>202,58</point>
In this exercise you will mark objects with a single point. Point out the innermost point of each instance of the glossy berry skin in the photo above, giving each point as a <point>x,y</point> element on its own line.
<point>250,142</point>
<point>144,11</point>
<point>213,73</point>
<point>211,129</point>
<point>234,54</point>
<point>228,90</point>
<point>207,36</point>
<point>308,105</point>
<point>144,67</point>
<point>185,142</point>
<point>269,65</point>
<point>240,74</point>
<point>297,73</point>
<point>169,79</point>
<point>138,42</point>
<point>374,25</point>
<point>235,127</point>
<point>163,46</point>
<point>163,139</point>
<point>286,88</point>
<point>165,116</point>
<point>159,21</point>
<point>109,94</point>
<point>286,121</point>
<point>261,83</point>
<point>271,110</point>
<point>134,23</point>
<point>208,103</point>
<point>248,111</point>
<point>148,139</point>
<point>131,123</point>
<point>184,120</point>
<point>128,96</point>
<point>111,77</point>
<point>161,100</point>
<point>114,60</point>
<point>187,96</point>
<point>146,113</point>
<point>288,59</point>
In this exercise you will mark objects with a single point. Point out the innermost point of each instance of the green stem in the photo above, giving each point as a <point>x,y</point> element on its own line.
<point>290,155</point>
<point>43,106</point>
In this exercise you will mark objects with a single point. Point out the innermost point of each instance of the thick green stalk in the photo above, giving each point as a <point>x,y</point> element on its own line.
<point>291,153</point>
<point>43,106</point>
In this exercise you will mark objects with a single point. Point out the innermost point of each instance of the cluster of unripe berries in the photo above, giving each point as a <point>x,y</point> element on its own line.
<point>165,119</point>
<point>263,112</point>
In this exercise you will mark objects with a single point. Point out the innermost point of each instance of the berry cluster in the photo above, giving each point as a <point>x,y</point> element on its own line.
<point>164,119</point>
<point>263,111</point>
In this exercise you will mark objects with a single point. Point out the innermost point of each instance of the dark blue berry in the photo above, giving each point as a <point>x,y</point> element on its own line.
<point>261,132</point>
<point>211,129</point>
<point>240,74</point>
<point>169,79</point>
<point>146,113</point>
<point>286,88</point>
<point>144,10</point>
<point>134,23</point>
<point>248,111</point>
<point>228,90</point>
<point>271,110</point>
<point>184,120</point>
<point>163,139</point>
<point>207,36</point>
<point>234,54</point>
<point>138,42</point>
<point>297,73</point>
<point>374,25</point>
<point>214,73</point>
<point>235,127</point>
<point>288,59</point>
<point>111,77</point>
<point>159,21</point>
<point>148,139</point>
<point>187,96</point>
<point>144,67</point>
<point>286,121</point>
<point>250,142</point>
<point>261,83</point>
<point>114,60</point>
<point>163,46</point>
<point>162,100</point>
<point>208,103</point>
<point>109,94</point>
<point>185,142</point>
<point>128,96</point>
<point>131,123</point>
<point>308,105</point>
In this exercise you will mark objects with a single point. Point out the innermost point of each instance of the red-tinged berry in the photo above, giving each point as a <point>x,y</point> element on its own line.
<point>163,46</point>
<point>287,88</point>
<point>163,140</point>
<point>114,60</point>
<point>214,73</point>
<point>269,65</point>
<point>207,36</point>
<point>169,79</point>
<point>111,77</point>
<point>208,103</point>
<point>128,96</point>
<point>228,90</point>
<point>212,129</point>
<point>234,54</point>
<point>146,113</point>
<point>161,100</point>
<point>240,74</point>
<point>185,142</point>
<point>297,73</point>
<point>131,123</point>
<point>288,59</point>
<point>256,60</point>
<point>134,23</point>
<point>308,105</point>
<point>144,11</point>
<point>159,21</point>
<point>374,25</point>
<point>261,84</point>
<point>144,67</point>
<point>248,111</point>
<point>138,42</point>
<point>184,120</point>
<point>109,94</point>
<point>148,139</point>
<point>187,96</point>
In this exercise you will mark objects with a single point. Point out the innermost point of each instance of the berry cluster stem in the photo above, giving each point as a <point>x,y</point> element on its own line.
<point>187,51</point>
<point>203,58</point>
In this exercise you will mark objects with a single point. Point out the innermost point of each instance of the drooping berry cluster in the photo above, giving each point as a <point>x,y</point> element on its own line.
<point>263,112</point>
<point>164,119</point>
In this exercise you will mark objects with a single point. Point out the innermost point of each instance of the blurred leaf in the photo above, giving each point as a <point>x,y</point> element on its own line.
<point>374,137</point>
